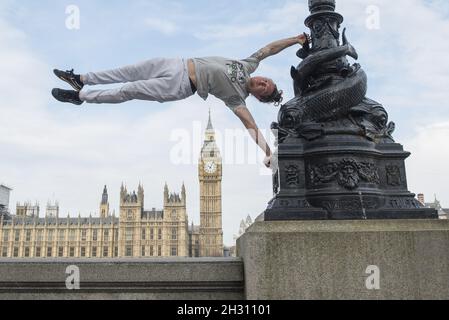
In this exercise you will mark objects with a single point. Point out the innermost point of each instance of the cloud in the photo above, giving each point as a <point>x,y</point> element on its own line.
<point>271,21</point>
<point>161,25</point>
<point>427,167</point>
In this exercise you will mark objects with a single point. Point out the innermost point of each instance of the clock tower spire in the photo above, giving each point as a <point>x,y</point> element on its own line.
<point>210,132</point>
<point>210,177</point>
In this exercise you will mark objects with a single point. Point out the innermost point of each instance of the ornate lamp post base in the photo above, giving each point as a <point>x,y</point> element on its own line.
<point>343,177</point>
<point>336,155</point>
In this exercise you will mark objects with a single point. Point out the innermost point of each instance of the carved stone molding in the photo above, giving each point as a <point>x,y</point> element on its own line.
<point>292,175</point>
<point>296,204</point>
<point>350,205</point>
<point>401,203</point>
<point>394,178</point>
<point>348,173</point>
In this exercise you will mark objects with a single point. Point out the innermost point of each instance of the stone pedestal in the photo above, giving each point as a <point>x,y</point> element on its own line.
<point>342,177</point>
<point>335,259</point>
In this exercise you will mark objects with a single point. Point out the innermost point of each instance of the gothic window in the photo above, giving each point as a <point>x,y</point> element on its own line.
<point>159,234</point>
<point>5,235</point>
<point>143,251</point>
<point>129,251</point>
<point>151,251</point>
<point>130,215</point>
<point>106,235</point>
<point>72,252</point>
<point>27,252</point>
<point>72,235</point>
<point>174,234</point>
<point>151,234</point>
<point>16,252</point>
<point>115,251</point>
<point>83,235</point>
<point>40,235</point>
<point>105,252</point>
<point>5,252</point>
<point>159,251</point>
<point>28,235</point>
<point>83,251</point>
<point>129,234</point>
<point>174,251</point>
<point>49,252</point>
<point>61,235</point>
<point>50,234</point>
<point>174,215</point>
<point>94,252</point>
<point>95,235</point>
<point>61,252</point>
<point>17,236</point>
<point>38,252</point>
<point>144,234</point>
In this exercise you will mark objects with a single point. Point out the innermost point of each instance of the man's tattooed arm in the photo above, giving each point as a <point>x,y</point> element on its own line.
<point>262,54</point>
<point>278,46</point>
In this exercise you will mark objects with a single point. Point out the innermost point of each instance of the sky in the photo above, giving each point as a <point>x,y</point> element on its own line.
<point>52,151</point>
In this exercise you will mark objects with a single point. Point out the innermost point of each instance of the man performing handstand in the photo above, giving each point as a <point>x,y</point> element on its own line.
<point>165,80</point>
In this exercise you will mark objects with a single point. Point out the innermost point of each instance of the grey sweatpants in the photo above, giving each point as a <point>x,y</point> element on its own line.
<point>157,79</point>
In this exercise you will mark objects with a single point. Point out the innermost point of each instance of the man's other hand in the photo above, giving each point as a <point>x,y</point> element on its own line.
<point>267,162</point>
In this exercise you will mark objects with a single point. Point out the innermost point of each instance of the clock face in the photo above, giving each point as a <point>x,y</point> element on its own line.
<point>210,167</point>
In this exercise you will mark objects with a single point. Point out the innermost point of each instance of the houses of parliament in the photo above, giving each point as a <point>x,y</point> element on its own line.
<point>136,232</point>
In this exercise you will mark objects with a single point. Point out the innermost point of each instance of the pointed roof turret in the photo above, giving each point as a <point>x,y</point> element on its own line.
<point>209,124</point>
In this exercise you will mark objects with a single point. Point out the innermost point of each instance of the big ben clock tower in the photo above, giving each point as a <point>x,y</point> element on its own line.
<point>210,176</point>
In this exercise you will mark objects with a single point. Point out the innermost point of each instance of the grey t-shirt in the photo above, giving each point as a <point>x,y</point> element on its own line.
<point>224,78</point>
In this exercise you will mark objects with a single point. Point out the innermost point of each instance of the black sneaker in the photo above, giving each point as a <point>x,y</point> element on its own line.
<point>69,96</point>
<point>68,76</point>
